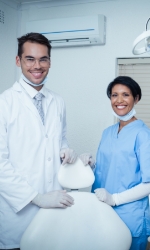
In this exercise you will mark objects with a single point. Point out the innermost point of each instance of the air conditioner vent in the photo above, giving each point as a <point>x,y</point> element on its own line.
<point>71,31</point>
<point>1,16</point>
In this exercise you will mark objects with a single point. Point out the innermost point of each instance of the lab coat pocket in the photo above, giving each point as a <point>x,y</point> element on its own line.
<point>26,178</point>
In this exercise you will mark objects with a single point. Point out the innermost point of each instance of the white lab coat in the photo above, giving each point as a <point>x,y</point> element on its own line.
<point>29,158</point>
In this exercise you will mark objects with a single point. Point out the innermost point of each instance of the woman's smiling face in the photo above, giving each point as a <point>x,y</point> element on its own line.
<point>122,100</point>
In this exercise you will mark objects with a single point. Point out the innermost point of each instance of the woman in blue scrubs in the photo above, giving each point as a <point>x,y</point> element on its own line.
<point>122,174</point>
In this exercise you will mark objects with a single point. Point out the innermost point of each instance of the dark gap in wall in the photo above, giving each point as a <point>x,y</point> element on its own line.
<point>1,16</point>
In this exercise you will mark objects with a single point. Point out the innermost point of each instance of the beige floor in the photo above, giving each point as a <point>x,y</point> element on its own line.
<point>148,246</point>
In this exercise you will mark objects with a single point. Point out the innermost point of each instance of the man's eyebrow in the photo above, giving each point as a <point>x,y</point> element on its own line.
<point>44,57</point>
<point>39,58</point>
<point>29,57</point>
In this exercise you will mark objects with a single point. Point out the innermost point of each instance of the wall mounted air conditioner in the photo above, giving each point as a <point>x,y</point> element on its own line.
<point>74,31</point>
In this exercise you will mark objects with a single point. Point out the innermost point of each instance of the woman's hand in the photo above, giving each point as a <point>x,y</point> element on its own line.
<point>103,195</point>
<point>87,159</point>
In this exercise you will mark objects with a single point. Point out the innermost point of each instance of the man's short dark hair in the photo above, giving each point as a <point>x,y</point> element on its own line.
<point>33,38</point>
<point>128,82</point>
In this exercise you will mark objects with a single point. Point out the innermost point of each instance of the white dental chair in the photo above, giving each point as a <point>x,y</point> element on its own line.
<point>88,225</point>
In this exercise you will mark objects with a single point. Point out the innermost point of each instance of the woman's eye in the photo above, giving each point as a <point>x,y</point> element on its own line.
<point>113,95</point>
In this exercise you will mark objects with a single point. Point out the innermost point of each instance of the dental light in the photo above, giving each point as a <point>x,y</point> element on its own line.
<point>144,36</point>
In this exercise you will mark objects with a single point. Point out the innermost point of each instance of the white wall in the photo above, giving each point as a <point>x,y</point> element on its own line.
<point>8,45</point>
<point>80,75</point>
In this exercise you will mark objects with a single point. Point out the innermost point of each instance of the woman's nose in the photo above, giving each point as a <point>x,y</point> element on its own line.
<point>119,98</point>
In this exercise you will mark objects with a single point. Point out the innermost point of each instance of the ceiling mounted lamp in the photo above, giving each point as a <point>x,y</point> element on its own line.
<point>144,36</point>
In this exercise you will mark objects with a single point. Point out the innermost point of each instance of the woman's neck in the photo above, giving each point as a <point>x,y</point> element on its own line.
<point>124,123</point>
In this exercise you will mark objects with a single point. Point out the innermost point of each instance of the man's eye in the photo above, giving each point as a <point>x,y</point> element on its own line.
<point>30,59</point>
<point>43,60</point>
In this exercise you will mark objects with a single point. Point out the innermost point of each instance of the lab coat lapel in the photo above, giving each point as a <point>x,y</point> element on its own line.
<point>28,103</point>
<point>26,100</point>
<point>48,100</point>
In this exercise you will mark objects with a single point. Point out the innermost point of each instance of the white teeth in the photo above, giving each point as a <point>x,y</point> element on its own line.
<point>121,107</point>
<point>36,74</point>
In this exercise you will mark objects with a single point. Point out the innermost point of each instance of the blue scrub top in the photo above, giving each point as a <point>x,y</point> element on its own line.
<point>123,161</point>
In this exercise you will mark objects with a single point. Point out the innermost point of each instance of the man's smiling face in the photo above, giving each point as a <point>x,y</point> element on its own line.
<point>36,73</point>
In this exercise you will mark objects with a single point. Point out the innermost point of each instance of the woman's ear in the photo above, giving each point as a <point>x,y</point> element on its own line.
<point>136,99</point>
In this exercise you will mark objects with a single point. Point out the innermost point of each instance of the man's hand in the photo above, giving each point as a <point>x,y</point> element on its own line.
<point>103,195</point>
<point>68,155</point>
<point>54,199</point>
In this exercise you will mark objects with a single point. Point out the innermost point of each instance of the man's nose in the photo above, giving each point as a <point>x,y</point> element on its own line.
<point>37,64</point>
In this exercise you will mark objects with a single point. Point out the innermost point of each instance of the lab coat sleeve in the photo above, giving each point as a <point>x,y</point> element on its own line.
<point>96,170</point>
<point>143,154</point>
<point>64,143</point>
<point>13,188</point>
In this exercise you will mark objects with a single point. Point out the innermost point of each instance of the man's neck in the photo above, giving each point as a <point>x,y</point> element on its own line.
<point>38,88</point>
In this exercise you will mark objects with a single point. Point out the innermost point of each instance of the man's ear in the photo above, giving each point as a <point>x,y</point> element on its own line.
<point>18,63</point>
<point>136,99</point>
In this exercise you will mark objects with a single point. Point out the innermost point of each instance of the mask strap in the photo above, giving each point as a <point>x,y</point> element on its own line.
<point>33,84</point>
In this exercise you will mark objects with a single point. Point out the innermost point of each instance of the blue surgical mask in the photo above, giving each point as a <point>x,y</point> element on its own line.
<point>33,84</point>
<point>126,117</point>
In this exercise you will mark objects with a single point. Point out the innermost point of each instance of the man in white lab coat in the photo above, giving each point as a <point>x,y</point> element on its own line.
<point>32,140</point>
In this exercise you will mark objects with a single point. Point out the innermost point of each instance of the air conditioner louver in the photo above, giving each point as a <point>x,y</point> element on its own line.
<point>75,31</point>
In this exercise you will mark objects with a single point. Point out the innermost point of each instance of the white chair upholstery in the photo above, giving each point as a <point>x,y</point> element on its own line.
<point>88,225</point>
